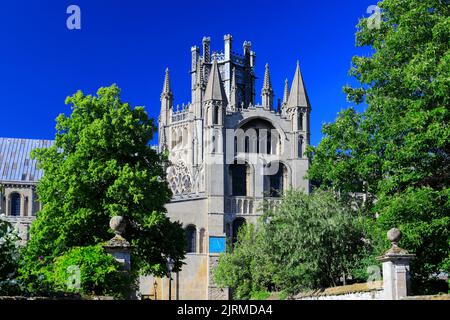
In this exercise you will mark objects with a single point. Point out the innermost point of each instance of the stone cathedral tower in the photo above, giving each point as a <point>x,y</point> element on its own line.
<point>228,154</point>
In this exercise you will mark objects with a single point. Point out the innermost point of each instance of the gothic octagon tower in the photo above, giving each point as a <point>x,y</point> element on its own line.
<point>228,154</point>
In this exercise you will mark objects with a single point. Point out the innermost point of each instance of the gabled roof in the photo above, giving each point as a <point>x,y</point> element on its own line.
<point>16,164</point>
<point>214,88</point>
<point>298,96</point>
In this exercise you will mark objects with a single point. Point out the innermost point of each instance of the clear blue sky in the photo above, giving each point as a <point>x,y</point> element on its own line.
<point>131,43</point>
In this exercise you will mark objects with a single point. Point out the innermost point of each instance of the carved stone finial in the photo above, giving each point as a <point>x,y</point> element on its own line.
<point>117,224</point>
<point>394,235</point>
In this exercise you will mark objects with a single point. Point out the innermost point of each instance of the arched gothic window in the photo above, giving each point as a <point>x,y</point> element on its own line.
<point>185,136</point>
<point>174,138</point>
<point>191,237</point>
<point>216,115</point>
<point>275,180</point>
<point>237,224</point>
<point>258,137</point>
<point>269,142</point>
<point>15,204</point>
<point>300,121</point>
<point>239,174</point>
<point>247,144</point>
<point>300,146</point>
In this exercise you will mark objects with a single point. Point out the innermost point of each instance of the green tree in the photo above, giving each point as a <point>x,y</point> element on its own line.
<point>90,271</point>
<point>397,150</point>
<point>308,242</point>
<point>243,266</point>
<point>9,254</point>
<point>101,166</point>
<point>314,240</point>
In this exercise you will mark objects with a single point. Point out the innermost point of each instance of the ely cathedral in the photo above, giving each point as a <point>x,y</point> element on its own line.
<point>229,154</point>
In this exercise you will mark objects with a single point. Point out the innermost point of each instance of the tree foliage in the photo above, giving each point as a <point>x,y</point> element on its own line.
<point>101,166</point>
<point>397,150</point>
<point>9,253</point>
<point>237,268</point>
<point>98,273</point>
<point>308,242</point>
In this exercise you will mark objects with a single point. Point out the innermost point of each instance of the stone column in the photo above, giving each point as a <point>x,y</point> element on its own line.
<point>8,205</point>
<point>22,205</point>
<point>118,247</point>
<point>2,205</point>
<point>30,203</point>
<point>396,277</point>
<point>198,236</point>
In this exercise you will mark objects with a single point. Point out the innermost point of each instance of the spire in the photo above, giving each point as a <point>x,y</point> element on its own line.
<point>214,88</point>
<point>286,92</point>
<point>298,96</point>
<point>267,91</point>
<point>267,83</point>
<point>166,99</point>
<point>166,86</point>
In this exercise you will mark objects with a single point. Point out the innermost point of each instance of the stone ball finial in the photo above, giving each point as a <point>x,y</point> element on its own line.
<point>117,224</point>
<point>394,235</point>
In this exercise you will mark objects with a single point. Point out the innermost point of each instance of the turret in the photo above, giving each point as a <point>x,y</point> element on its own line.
<point>195,54</point>
<point>228,39</point>
<point>215,98</point>
<point>247,48</point>
<point>165,113</point>
<point>267,91</point>
<point>198,89</point>
<point>206,44</point>
<point>166,99</point>
<point>298,96</point>
<point>285,98</point>
<point>227,63</point>
<point>298,107</point>
<point>249,77</point>
<point>233,92</point>
<point>206,49</point>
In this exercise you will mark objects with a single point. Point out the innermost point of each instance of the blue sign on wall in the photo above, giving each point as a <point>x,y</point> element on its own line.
<point>217,244</point>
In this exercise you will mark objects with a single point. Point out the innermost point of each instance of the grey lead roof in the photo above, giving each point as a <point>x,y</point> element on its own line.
<point>16,164</point>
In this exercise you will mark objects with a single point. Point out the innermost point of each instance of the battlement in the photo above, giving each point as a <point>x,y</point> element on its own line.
<point>180,114</point>
<point>232,85</point>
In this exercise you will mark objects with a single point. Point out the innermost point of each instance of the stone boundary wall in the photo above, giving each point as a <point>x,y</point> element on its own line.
<point>358,291</point>
<point>433,297</point>
<point>72,297</point>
